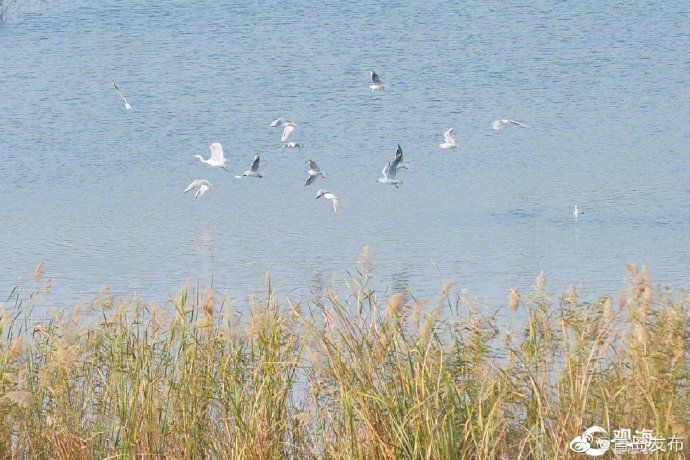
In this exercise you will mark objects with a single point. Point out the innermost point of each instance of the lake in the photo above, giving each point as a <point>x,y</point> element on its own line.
<point>96,190</point>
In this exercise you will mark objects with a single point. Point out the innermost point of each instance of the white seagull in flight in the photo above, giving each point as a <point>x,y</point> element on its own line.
<point>253,169</point>
<point>202,185</point>
<point>314,172</point>
<point>287,125</point>
<point>217,159</point>
<point>500,124</point>
<point>127,106</point>
<point>391,169</point>
<point>448,140</point>
<point>577,212</point>
<point>376,84</point>
<point>329,196</point>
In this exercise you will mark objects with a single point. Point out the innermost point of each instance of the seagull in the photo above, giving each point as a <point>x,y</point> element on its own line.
<point>329,196</point>
<point>376,84</point>
<point>291,145</point>
<point>202,185</point>
<point>500,124</point>
<point>391,169</point>
<point>127,106</point>
<point>577,212</point>
<point>253,169</point>
<point>448,140</point>
<point>217,158</point>
<point>314,172</point>
<point>287,125</point>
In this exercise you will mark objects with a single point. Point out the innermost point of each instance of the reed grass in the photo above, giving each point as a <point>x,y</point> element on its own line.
<point>345,375</point>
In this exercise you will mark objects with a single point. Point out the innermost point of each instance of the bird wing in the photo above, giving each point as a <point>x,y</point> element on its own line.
<point>202,190</point>
<point>312,166</point>
<point>310,179</point>
<point>193,185</point>
<point>217,152</point>
<point>255,164</point>
<point>278,121</point>
<point>334,199</point>
<point>118,90</point>
<point>120,93</point>
<point>519,123</point>
<point>374,77</point>
<point>286,132</point>
<point>384,171</point>
<point>394,165</point>
<point>448,135</point>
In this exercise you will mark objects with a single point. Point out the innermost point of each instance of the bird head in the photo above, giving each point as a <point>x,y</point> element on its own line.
<point>320,193</point>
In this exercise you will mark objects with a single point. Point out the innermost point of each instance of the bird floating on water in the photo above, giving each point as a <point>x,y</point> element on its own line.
<point>329,196</point>
<point>391,169</point>
<point>314,172</point>
<point>448,140</point>
<point>500,124</point>
<point>202,187</point>
<point>127,106</point>
<point>253,169</point>
<point>577,212</point>
<point>291,145</point>
<point>217,159</point>
<point>376,84</point>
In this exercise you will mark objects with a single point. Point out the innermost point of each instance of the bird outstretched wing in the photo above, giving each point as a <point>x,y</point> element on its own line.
<point>255,164</point>
<point>217,152</point>
<point>286,132</point>
<point>310,179</point>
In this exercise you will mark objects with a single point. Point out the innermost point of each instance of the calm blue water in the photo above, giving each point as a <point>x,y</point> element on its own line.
<point>97,191</point>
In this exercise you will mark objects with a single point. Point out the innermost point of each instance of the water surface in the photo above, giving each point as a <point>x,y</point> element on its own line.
<point>97,191</point>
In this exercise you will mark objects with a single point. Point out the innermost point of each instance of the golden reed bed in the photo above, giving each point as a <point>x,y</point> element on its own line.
<point>344,375</point>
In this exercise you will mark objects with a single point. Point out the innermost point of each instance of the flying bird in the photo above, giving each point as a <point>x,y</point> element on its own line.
<point>217,159</point>
<point>253,169</point>
<point>287,125</point>
<point>577,212</point>
<point>127,106</point>
<point>391,169</point>
<point>202,186</point>
<point>314,172</point>
<point>500,124</point>
<point>329,196</point>
<point>448,140</point>
<point>291,145</point>
<point>376,84</point>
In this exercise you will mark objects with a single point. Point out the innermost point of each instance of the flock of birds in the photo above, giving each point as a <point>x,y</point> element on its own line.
<point>389,174</point>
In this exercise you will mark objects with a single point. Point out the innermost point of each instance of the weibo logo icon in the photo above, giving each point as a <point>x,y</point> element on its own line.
<point>593,442</point>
